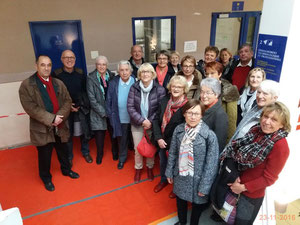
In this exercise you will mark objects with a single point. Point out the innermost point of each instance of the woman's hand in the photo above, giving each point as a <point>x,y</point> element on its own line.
<point>161,143</point>
<point>170,180</point>
<point>201,194</point>
<point>237,187</point>
<point>146,124</point>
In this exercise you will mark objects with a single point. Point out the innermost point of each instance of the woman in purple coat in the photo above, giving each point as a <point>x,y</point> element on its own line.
<point>142,104</point>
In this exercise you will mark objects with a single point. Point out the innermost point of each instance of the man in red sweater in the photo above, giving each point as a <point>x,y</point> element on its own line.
<point>243,66</point>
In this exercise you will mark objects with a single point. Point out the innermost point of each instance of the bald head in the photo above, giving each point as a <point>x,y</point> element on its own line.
<point>68,59</point>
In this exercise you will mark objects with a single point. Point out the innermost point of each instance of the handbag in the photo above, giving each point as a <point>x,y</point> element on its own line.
<point>228,211</point>
<point>145,147</point>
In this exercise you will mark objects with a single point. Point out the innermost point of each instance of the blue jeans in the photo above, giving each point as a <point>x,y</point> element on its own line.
<point>163,160</point>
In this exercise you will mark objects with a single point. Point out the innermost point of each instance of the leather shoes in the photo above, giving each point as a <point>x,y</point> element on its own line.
<point>120,165</point>
<point>137,176</point>
<point>49,186</point>
<point>160,186</point>
<point>71,174</point>
<point>150,174</point>
<point>172,195</point>
<point>88,158</point>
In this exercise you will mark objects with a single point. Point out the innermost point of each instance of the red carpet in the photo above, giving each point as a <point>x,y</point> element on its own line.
<point>102,195</point>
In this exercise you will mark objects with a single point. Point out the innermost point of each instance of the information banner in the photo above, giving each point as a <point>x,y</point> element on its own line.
<point>270,54</point>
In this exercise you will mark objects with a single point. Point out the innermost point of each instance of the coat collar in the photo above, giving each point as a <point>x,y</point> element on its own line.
<point>202,132</point>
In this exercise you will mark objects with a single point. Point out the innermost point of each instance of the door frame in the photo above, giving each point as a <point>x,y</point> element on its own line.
<point>244,25</point>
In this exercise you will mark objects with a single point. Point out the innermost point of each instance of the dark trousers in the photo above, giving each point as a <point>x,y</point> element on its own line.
<point>44,158</point>
<point>83,141</point>
<point>247,210</point>
<point>123,142</point>
<point>182,207</point>
<point>99,138</point>
<point>163,160</point>
<point>114,141</point>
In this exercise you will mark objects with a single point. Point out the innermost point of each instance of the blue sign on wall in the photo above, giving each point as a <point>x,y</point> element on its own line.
<point>270,54</point>
<point>237,6</point>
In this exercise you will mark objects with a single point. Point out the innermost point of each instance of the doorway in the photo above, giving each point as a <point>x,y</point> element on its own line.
<point>53,37</point>
<point>231,30</point>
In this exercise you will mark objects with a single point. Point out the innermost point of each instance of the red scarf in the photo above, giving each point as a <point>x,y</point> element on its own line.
<point>161,74</point>
<point>171,108</point>
<point>51,93</point>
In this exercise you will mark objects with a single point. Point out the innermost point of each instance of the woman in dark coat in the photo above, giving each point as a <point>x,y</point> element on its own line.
<point>144,98</point>
<point>193,162</point>
<point>168,116</point>
<point>97,84</point>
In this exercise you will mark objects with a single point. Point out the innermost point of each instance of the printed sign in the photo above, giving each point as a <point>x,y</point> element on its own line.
<point>270,54</point>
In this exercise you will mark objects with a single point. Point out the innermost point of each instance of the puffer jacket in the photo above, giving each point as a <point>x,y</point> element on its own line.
<point>134,102</point>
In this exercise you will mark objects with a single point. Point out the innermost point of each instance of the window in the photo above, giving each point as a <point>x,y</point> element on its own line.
<point>154,34</point>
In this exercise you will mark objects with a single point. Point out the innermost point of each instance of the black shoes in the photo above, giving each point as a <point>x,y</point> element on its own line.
<point>88,158</point>
<point>120,165</point>
<point>49,186</point>
<point>71,174</point>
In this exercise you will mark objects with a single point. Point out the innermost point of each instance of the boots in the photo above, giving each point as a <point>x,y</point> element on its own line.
<point>137,176</point>
<point>150,174</point>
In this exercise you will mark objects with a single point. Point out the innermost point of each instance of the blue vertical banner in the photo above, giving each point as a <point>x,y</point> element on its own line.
<point>237,6</point>
<point>270,54</point>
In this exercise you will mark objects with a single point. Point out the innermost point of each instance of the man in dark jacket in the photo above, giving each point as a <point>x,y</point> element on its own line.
<point>75,81</point>
<point>47,102</point>
<point>136,59</point>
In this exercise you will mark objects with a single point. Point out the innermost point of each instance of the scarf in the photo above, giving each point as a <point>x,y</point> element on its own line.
<point>252,149</point>
<point>245,102</point>
<point>52,105</point>
<point>145,91</point>
<point>104,80</point>
<point>161,74</point>
<point>171,108</point>
<point>186,151</point>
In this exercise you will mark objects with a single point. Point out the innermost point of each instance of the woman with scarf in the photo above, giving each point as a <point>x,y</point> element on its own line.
<point>168,116</point>
<point>260,156</point>
<point>97,85</point>
<point>193,162</point>
<point>248,98</point>
<point>143,101</point>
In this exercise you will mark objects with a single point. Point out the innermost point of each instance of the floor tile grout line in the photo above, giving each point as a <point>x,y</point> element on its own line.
<point>82,200</point>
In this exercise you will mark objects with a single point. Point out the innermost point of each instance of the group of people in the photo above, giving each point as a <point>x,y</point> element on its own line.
<point>197,114</point>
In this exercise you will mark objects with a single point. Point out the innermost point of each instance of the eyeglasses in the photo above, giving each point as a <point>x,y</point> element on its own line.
<point>207,93</point>
<point>190,114</point>
<point>145,71</point>
<point>176,87</point>
<point>69,57</point>
<point>162,59</point>
<point>188,67</point>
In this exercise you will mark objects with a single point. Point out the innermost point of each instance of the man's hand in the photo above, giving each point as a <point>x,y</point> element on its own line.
<point>74,109</point>
<point>58,119</point>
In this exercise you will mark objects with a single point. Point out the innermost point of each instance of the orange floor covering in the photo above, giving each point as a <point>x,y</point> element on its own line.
<point>102,195</point>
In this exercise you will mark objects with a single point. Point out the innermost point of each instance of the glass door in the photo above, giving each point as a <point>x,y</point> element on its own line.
<point>230,30</point>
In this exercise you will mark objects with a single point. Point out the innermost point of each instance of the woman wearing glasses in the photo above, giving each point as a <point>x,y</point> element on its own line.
<point>143,100</point>
<point>193,162</point>
<point>193,76</point>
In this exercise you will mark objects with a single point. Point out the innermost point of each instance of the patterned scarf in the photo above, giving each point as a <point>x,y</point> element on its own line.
<point>186,151</point>
<point>171,108</point>
<point>252,149</point>
<point>104,80</point>
<point>53,106</point>
<point>246,100</point>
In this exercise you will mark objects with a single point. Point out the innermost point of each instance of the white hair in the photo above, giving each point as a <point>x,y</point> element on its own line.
<point>102,57</point>
<point>271,87</point>
<point>124,62</point>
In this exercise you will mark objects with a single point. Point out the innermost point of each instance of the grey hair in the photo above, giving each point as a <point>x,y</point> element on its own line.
<point>124,62</point>
<point>271,87</point>
<point>101,57</point>
<point>213,84</point>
